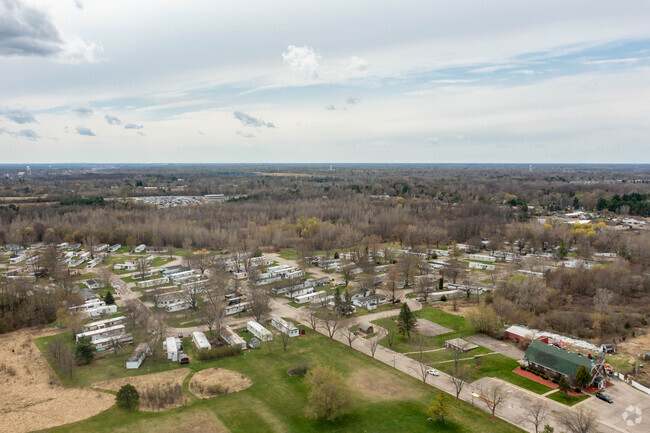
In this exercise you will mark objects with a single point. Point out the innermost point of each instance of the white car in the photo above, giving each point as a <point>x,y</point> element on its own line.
<point>433,372</point>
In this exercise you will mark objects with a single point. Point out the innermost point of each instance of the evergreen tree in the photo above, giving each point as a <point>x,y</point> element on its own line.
<point>85,350</point>
<point>563,385</point>
<point>406,321</point>
<point>128,397</point>
<point>583,377</point>
<point>109,299</point>
<point>440,283</point>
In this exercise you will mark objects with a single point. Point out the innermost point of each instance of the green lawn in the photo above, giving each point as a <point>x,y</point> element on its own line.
<point>289,255</point>
<point>160,261</point>
<point>446,355</point>
<point>451,321</point>
<point>569,400</point>
<point>498,366</point>
<point>385,400</point>
<point>384,307</point>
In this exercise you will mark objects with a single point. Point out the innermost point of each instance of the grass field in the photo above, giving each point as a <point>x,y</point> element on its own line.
<point>500,366</point>
<point>385,400</point>
<point>289,255</point>
<point>569,400</point>
<point>446,355</point>
<point>451,321</point>
<point>160,261</point>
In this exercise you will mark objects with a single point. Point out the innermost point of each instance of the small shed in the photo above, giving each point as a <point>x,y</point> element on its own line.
<point>460,345</point>
<point>254,343</point>
<point>366,328</point>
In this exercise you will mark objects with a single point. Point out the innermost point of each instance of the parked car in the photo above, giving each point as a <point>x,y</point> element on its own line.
<point>180,335</point>
<point>604,397</point>
<point>397,301</point>
<point>419,299</point>
<point>433,372</point>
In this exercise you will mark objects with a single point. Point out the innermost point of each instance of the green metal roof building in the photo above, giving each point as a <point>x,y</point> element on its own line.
<point>559,360</point>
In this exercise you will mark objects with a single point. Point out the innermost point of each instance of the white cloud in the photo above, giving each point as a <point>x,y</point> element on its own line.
<point>304,61</point>
<point>612,61</point>
<point>523,72</point>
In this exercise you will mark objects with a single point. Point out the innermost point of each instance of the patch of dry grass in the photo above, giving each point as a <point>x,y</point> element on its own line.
<point>213,382</point>
<point>158,391</point>
<point>32,397</point>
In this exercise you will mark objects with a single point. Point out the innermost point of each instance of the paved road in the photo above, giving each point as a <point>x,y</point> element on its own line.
<point>502,347</point>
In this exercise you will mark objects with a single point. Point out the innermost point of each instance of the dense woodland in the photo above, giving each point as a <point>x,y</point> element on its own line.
<point>310,208</point>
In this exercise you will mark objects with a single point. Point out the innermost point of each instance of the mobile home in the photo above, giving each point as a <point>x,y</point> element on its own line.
<point>259,331</point>
<point>200,340</point>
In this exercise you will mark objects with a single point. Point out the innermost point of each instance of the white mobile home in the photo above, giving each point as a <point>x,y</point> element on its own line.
<point>97,312</point>
<point>200,340</point>
<point>126,266</point>
<point>235,308</point>
<point>299,292</point>
<point>98,334</point>
<point>140,352</point>
<point>17,259</point>
<point>114,248</point>
<point>140,248</point>
<point>231,337</point>
<point>171,348</point>
<point>259,331</point>
<point>310,297</point>
<point>482,266</point>
<point>177,306</point>
<point>121,320</point>
<point>482,258</point>
<point>283,326</point>
<point>151,283</point>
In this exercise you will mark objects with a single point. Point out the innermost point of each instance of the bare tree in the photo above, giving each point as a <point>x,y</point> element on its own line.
<point>391,329</point>
<point>310,314</point>
<point>62,355</point>
<point>459,377</point>
<point>374,342</point>
<point>133,312</point>
<point>284,338</point>
<point>602,298</point>
<point>347,332</point>
<point>258,303</point>
<point>213,310</point>
<point>155,330</point>
<point>422,370</point>
<point>421,340</point>
<point>331,321</point>
<point>580,420</point>
<point>493,395</point>
<point>422,286</point>
<point>192,297</point>
<point>142,266</point>
<point>346,272</point>
<point>391,285</point>
<point>536,415</point>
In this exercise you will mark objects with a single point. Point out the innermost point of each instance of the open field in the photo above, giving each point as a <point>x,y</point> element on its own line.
<point>227,381</point>
<point>385,400</point>
<point>500,366</point>
<point>32,397</point>
<point>148,383</point>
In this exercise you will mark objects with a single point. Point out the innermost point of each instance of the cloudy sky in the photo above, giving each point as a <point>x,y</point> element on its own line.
<point>343,81</point>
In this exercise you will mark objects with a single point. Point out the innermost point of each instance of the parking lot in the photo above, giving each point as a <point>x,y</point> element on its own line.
<point>626,401</point>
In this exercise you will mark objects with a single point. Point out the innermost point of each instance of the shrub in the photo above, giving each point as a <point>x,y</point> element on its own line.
<point>215,389</point>
<point>298,369</point>
<point>443,298</point>
<point>219,353</point>
<point>128,397</point>
<point>159,396</point>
